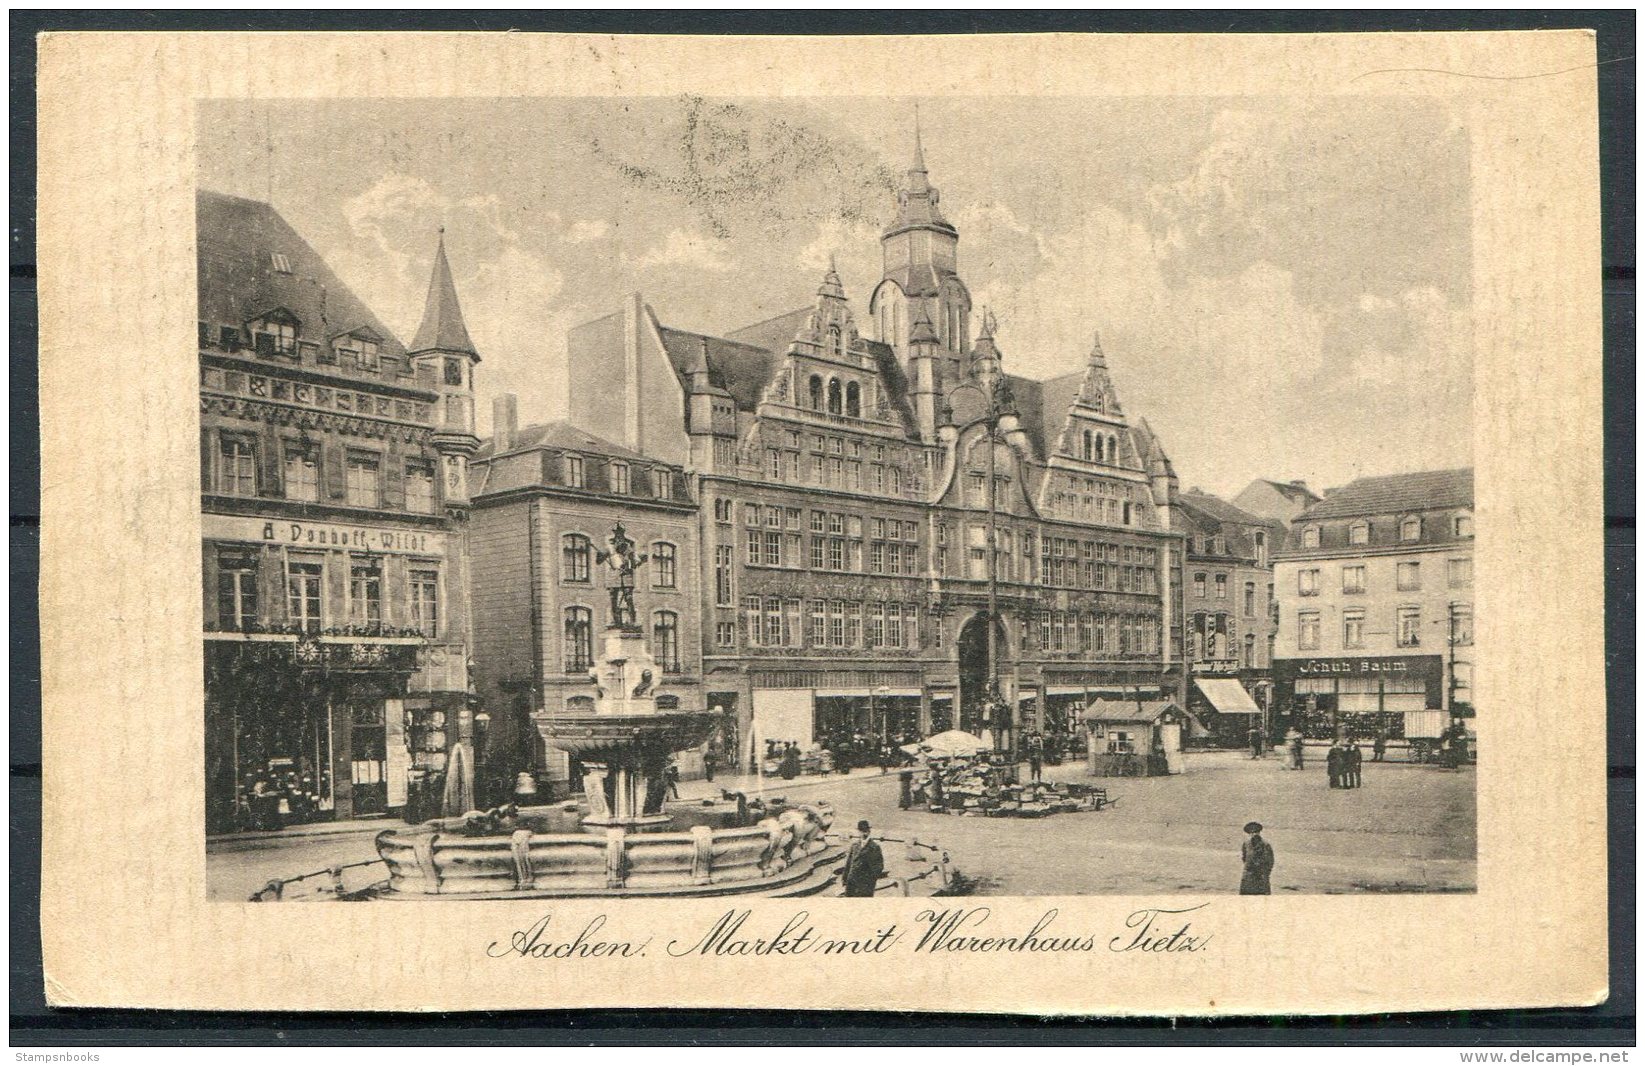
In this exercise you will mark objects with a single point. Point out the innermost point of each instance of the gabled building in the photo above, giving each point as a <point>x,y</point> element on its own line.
<point>1375,588</point>
<point>1228,612</point>
<point>333,496</point>
<point>1279,500</point>
<point>861,483</point>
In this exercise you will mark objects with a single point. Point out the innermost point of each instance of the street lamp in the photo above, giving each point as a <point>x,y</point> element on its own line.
<point>994,706</point>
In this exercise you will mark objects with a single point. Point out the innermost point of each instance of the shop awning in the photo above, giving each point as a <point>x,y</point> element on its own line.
<point>1227,695</point>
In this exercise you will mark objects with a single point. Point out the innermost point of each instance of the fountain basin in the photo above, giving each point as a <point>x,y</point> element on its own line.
<point>788,854</point>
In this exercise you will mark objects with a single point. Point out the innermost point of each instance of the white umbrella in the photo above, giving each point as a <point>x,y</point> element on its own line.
<point>953,742</point>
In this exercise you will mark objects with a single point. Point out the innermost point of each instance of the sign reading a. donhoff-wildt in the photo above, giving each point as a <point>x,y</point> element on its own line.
<point>322,535</point>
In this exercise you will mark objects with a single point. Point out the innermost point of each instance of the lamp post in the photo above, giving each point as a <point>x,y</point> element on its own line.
<point>995,710</point>
<point>481,721</point>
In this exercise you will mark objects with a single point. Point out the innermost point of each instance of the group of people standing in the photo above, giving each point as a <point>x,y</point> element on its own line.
<point>1342,764</point>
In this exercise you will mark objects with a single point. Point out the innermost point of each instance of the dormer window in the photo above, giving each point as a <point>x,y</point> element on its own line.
<point>1410,529</point>
<point>574,471</point>
<point>275,334</point>
<point>1310,537</point>
<point>280,262</point>
<point>1359,533</point>
<point>1463,525</point>
<point>835,348</point>
<point>368,359</point>
<point>619,478</point>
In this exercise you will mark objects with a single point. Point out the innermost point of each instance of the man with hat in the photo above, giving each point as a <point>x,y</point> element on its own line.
<point>864,865</point>
<point>1259,863</point>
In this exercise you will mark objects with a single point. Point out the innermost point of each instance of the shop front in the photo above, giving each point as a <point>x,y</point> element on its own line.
<point>1363,697</point>
<point>304,731</point>
<point>1226,708</point>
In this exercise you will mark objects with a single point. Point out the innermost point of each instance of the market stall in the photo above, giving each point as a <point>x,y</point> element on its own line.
<point>1136,738</point>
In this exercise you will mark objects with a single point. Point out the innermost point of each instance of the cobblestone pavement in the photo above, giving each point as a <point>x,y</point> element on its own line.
<point>1409,829</point>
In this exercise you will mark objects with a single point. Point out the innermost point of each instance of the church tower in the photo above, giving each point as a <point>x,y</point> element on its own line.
<point>921,268</point>
<point>443,353</point>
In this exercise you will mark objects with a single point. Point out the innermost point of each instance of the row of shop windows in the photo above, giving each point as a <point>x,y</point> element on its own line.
<point>1407,627</point>
<point>577,561</point>
<point>240,473</point>
<point>578,628</point>
<point>1459,573</point>
<point>238,596</point>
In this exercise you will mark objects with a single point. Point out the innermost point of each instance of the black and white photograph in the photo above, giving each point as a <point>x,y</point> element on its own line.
<point>681,496</point>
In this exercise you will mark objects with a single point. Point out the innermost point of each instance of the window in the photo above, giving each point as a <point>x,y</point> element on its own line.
<point>876,626</point>
<point>893,625</point>
<point>834,396</point>
<point>420,486</point>
<point>752,620</point>
<point>1250,599</point>
<point>425,602</point>
<point>368,357</point>
<point>1353,579</point>
<point>228,337</point>
<point>302,472</point>
<point>1410,529</point>
<point>574,471</point>
<point>665,640</point>
<point>576,557</point>
<point>304,582</point>
<point>1359,533</point>
<point>1199,585</point>
<point>1459,573</point>
<point>834,347</point>
<point>836,623</point>
<point>1353,628</point>
<point>815,392</point>
<point>1249,652</point>
<point>1310,537</point>
<point>1218,546</point>
<point>237,466</point>
<point>1308,630</point>
<point>1222,586</point>
<point>663,568</point>
<point>1409,627</point>
<point>1463,525</point>
<point>237,589</point>
<point>836,553</point>
<point>1462,624</point>
<point>365,593</point>
<point>1409,576</point>
<point>773,549</point>
<point>619,478</point>
<point>579,640</point>
<point>364,480</point>
<point>853,400</point>
<point>453,371</point>
<point>1261,539</point>
<point>1307,582</point>
<point>817,633</point>
<point>725,634</point>
<point>722,510</point>
<point>723,594</point>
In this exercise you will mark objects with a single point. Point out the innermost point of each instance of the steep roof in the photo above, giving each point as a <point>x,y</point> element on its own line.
<point>1220,510</point>
<point>1294,490</point>
<point>742,370</point>
<point>251,261</point>
<point>442,328</point>
<point>1397,494</point>
<point>562,435</point>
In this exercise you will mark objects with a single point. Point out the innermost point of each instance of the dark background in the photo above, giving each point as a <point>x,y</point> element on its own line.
<point>34,1024</point>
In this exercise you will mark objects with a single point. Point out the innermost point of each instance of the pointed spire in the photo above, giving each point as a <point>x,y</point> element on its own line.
<point>921,331</point>
<point>442,328</point>
<point>919,145</point>
<point>1097,357</point>
<point>988,325</point>
<point>831,286</point>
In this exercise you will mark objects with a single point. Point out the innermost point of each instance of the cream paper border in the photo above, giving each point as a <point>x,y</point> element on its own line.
<point>124,916</point>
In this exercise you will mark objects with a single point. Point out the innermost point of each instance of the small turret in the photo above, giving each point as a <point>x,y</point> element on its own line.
<point>922,368</point>
<point>442,347</point>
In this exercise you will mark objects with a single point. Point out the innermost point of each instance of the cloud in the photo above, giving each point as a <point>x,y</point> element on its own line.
<point>688,248</point>
<point>585,230</point>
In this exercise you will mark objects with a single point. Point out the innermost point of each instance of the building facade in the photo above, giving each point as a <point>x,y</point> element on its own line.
<point>1229,613</point>
<point>334,494</point>
<point>1375,589</point>
<point>546,499</point>
<point>1280,501</point>
<point>891,523</point>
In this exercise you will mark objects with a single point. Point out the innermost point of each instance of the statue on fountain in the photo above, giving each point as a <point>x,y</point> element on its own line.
<point>620,554</point>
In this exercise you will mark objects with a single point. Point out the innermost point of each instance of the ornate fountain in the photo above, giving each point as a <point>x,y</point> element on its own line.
<point>626,840</point>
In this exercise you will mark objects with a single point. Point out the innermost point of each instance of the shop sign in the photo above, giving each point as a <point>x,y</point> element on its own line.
<point>1216,666</point>
<point>1368,666</point>
<point>323,535</point>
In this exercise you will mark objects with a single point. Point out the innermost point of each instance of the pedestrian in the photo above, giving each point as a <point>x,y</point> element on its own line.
<point>1379,746</point>
<point>905,788</point>
<point>1296,750</point>
<point>711,756</point>
<point>789,767</point>
<point>1256,743</point>
<point>1258,857</point>
<point>1356,759</point>
<point>864,865</point>
<point>1333,763</point>
<point>672,777</point>
<point>1036,755</point>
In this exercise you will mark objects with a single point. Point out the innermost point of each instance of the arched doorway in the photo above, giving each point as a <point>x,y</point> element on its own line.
<point>975,669</point>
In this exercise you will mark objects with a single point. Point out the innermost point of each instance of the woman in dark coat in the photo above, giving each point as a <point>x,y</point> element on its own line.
<point>1258,857</point>
<point>1333,763</point>
<point>789,768</point>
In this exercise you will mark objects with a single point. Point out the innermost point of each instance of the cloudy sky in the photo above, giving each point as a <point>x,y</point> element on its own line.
<point>1282,286</point>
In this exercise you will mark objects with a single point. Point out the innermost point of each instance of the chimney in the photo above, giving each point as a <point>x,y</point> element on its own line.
<point>505,418</point>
